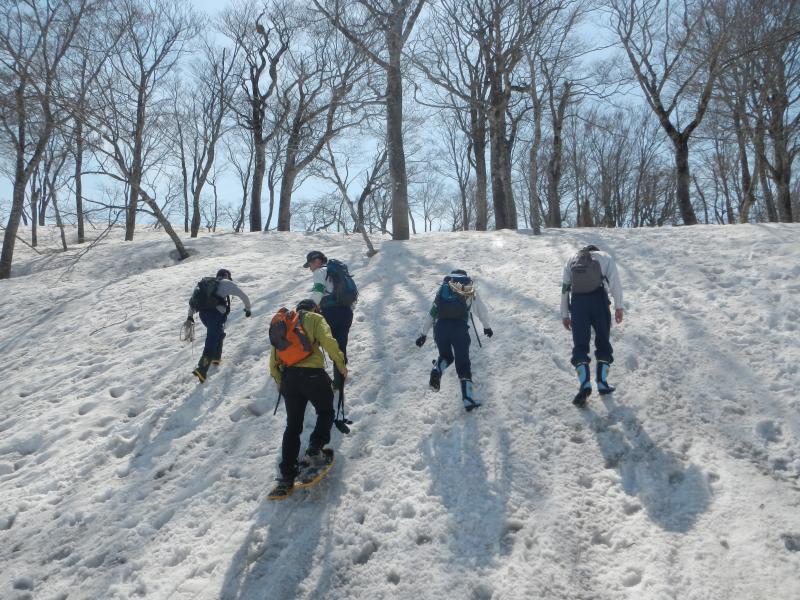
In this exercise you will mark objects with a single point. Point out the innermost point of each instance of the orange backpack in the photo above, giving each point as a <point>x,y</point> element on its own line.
<point>286,333</point>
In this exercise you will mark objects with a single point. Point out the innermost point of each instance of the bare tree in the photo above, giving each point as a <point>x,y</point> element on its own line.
<point>324,73</point>
<point>136,113</point>
<point>775,29</point>
<point>92,48</point>
<point>503,29</point>
<point>207,105</point>
<point>451,60</point>
<point>262,36</point>
<point>381,29</point>
<point>136,110</point>
<point>34,38</point>
<point>372,180</point>
<point>675,51</point>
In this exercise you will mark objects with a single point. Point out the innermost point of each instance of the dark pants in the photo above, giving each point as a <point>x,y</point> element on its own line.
<point>452,339</point>
<point>300,386</point>
<point>215,333</point>
<point>340,319</point>
<point>591,311</point>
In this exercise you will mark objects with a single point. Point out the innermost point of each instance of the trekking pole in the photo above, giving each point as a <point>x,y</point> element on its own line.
<point>477,337</point>
<point>275,412</point>
<point>341,422</point>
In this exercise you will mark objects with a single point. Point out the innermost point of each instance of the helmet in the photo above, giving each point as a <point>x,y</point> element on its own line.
<point>314,255</point>
<point>307,304</point>
<point>224,274</point>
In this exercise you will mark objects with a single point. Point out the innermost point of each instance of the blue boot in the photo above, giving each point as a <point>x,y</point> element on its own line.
<point>602,373</point>
<point>468,395</point>
<point>439,366</point>
<point>582,370</point>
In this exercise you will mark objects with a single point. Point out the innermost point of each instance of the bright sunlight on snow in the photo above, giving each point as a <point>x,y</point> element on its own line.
<point>122,477</point>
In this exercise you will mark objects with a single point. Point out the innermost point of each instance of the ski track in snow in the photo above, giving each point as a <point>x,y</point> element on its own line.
<point>121,477</point>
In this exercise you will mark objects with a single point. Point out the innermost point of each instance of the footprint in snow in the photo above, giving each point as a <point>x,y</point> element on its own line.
<point>769,430</point>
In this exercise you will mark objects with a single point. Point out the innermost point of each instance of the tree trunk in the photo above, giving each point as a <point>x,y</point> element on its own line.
<point>259,168</point>
<point>35,192</point>
<point>12,226</point>
<point>285,197</point>
<point>79,179</point>
<point>554,164</point>
<point>394,134</point>
<point>478,129</point>
<point>683,180</point>
<point>748,181</point>
<point>59,223</point>
<point>511,206</point>
<point>164,222</point>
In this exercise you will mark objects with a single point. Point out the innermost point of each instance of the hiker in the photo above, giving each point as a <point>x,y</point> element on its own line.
<point>588,278</point>
<point>335,292</point>
<point>211,298</point>
<point>451,312</point>
<point>304,380</point>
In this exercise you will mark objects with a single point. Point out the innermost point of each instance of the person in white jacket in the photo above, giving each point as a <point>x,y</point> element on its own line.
<point>589,277</point>
<point>451,312</point>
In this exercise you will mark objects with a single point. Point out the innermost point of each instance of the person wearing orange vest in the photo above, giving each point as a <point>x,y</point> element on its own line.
<point>303,382</point>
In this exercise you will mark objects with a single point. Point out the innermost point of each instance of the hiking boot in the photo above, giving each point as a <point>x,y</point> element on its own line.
<point>316,457</point>
<point>201,370</point>
<point>283,489</point>
<point>585,387</point>
<point>468,395</point>
<point>435,380</point>
<point>603,386</point>
<point>439,366</point>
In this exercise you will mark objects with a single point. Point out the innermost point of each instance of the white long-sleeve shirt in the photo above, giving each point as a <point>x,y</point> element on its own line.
<point>610,278</point>
<point>474,302</point>
<point>322,286</point>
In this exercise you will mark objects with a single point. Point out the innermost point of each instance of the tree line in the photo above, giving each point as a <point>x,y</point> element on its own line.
<point>409,114</point>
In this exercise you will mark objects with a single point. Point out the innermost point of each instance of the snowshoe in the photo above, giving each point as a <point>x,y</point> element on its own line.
<point>282,490</point>
<point>313,467</point>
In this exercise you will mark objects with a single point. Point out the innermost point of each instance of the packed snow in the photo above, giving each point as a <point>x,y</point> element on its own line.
<point>122,477</point>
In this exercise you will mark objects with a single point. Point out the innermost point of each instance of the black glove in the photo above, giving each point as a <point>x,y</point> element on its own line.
<point>488,331</point>
<point>247,313</point>
<point>421,340</point>
<point>190,319</point>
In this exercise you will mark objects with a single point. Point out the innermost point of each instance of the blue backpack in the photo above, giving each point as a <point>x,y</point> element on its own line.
<point>345,290</point>
<point>451,300</point>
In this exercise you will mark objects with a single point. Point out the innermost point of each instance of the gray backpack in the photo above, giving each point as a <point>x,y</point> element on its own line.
<point>587,274</point>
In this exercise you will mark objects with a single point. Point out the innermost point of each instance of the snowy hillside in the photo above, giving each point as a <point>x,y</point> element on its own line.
<point>121,477</point>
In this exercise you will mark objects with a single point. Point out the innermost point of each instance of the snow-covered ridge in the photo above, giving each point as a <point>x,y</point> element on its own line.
<point>121,477</point>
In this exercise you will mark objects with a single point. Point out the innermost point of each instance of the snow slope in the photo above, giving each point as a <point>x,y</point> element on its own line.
<point>121,477</point>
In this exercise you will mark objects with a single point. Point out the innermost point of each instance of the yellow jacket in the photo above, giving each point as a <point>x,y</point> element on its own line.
<point>319,334</point>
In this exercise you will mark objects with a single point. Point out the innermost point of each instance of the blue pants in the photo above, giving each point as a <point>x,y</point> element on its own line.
<point>215,332</point>
<point>591,311</point>
<point>452,339</point>
<point>340,319</point>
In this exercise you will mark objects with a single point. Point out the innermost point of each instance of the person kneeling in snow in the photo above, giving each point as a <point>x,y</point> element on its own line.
<point>585,306</point>
<point>302,382</point>
<point>451,312</point>
<point>212,299</point>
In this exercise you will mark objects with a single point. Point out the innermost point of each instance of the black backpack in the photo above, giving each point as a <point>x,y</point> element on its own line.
<point>345,290</point>
<point>451,299</point>
<point>204,296</point>
<point>587,274</point>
